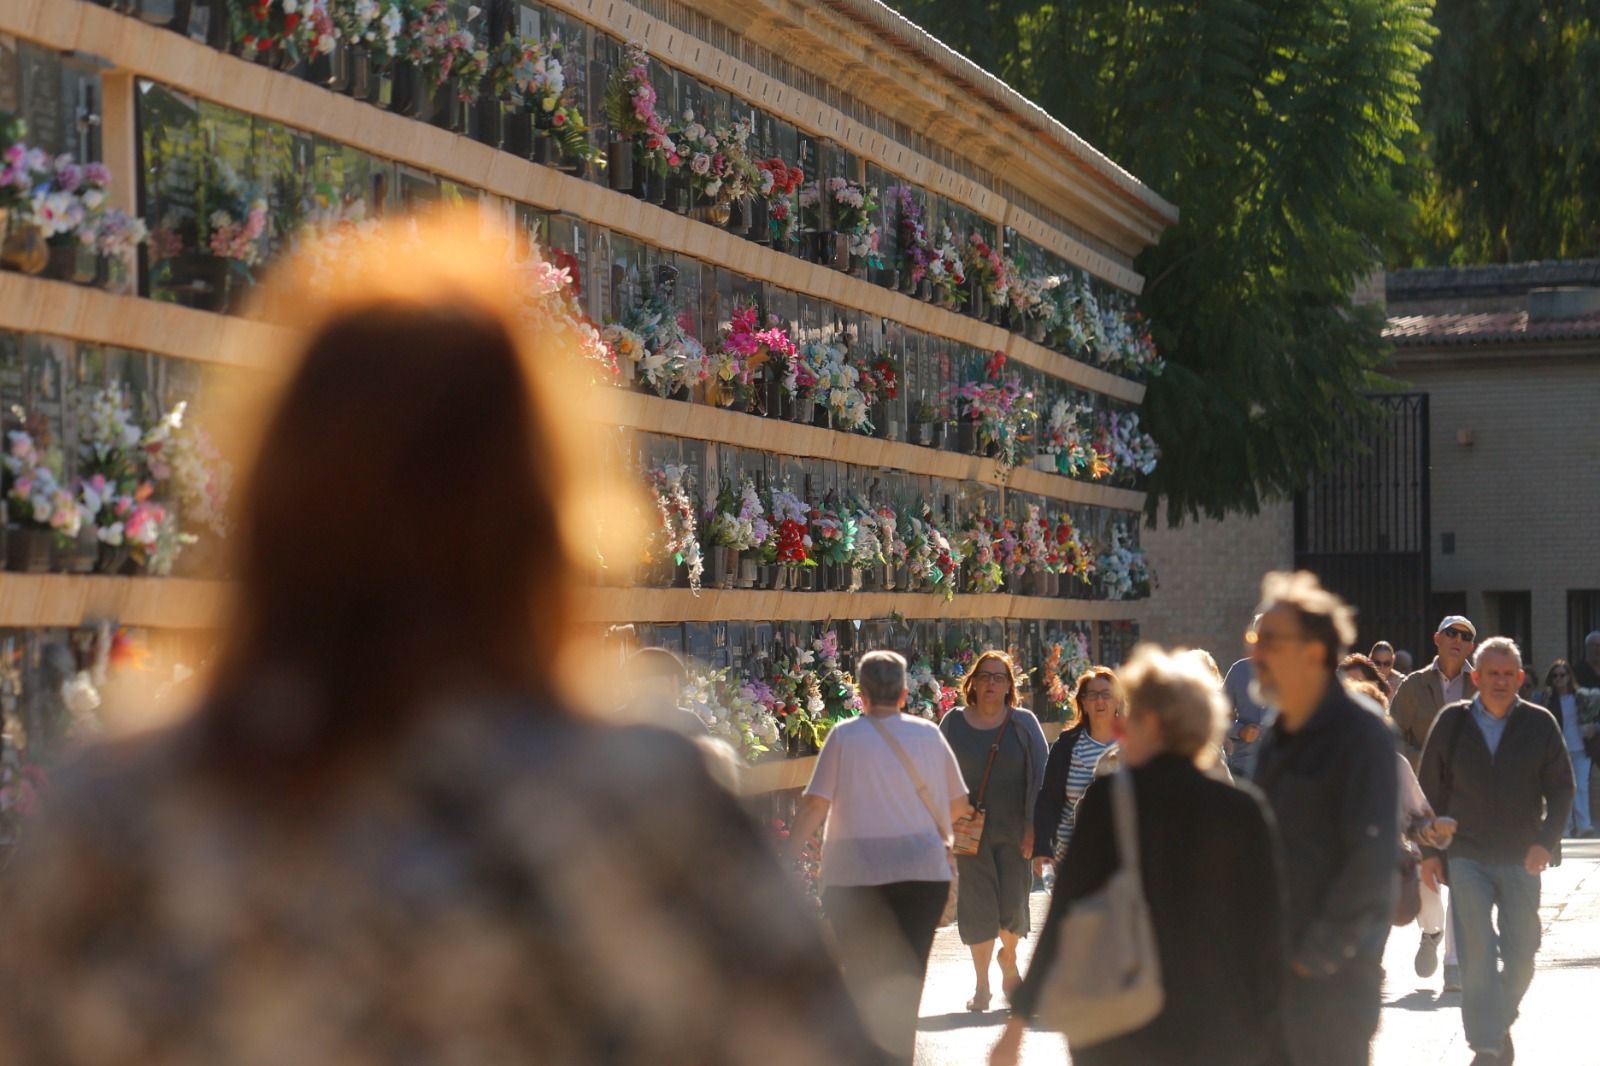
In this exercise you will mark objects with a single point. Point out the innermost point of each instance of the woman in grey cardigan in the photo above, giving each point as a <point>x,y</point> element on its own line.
<point>992,901</point>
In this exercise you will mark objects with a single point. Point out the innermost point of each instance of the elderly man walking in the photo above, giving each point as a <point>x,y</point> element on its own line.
<point>1415,706</point>
<point>1497,765</point>
<point>888,787</point>
<point>1327,765</point>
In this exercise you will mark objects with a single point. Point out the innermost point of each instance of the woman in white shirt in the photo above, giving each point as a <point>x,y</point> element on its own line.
<point>887,786</point>
<point>1575,711</point>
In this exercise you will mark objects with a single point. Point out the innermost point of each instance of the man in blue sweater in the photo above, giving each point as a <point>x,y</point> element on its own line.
<point>1497,765</point>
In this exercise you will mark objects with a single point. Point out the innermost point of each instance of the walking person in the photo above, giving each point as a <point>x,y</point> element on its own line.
<point>1001,750</point>
<point>391,831</point>
<point>1218,925</point>
<point>1498,765</point>
<point>1073,757</point>
<point>888,789</point>
<point>1327,767</point>
<point>1250,716</point>
<point>1383,657</point>
<point>1415,706</point>
<point>1578,711</point>
<point>1587,669</point>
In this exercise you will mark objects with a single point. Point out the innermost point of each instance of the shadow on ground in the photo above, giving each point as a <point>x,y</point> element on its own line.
<point>946,1023</point>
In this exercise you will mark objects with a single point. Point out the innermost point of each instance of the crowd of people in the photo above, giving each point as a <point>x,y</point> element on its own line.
<point>391,831</point>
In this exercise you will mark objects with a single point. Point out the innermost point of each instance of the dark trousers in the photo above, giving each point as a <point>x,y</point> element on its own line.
<point>1330,1021</point>
<point>883,935</point>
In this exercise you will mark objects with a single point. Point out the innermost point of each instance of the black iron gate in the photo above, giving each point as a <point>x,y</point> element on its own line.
<point>1363,529</point>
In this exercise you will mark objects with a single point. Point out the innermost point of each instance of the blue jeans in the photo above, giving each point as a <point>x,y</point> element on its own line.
<point>1495,951</point>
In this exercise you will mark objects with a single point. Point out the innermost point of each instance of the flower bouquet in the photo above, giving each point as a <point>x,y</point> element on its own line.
<point>733,710</point>
<point>947,274</point>
<point>986,272</point>
<point>539,110</point>
<point>636,126</point>
<point>833,536</point>
<point>777,186</point>
<point>80,231</point>
<point>740,363</point>
<point>788,546</point>
<point>737,530</point>
<point>1134,452</point>
<point>1029,300</point>
<point>675,542</point>
<point>1066,444</point>
<point>371,32</point>
<point>719,165</point>
<point>22,170</point>
<point>934,561</point>
<point>213,232</point>
<point>913,247</point>
<point>1124,571</point>
<point>995,413</point>
<point>447,65</point>
<point>39,510</point>
<point>656,344</point>
<point>283,33</point>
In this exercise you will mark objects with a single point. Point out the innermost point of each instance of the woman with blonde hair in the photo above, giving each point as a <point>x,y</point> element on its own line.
<point>1001,750</point>
<point>1210,876</point>
<point>389,832</point>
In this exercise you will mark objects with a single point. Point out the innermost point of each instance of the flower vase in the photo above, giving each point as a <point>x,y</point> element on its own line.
<point>760,220</point>
<point>331,69</point>
<point>1036,329</point>
<point>803,410</point>
<point>967,438</point>
<point>28,549</point>
<point>449,110</point>
<point>77,556</point>
<point>1045,462</point>
<point>173,14</point>
<point>822,416</point>
<point>407,95</point>
<point>724,567</point>
<point>675,193</point>
<point>748,572</point>
<point>71,261</point>
<point>864,578</point>
<point>925,290</point>
<point>1032,583</point>
<point>544,149</point>
<point>839,253</point>
<point>204,280</point>
<point>1052,583</point>
<point>903,580</point>
<point>977,300</point>
<point>619,165</point>
<point>712,214</point>
<point>488,121</point>
<point>361,74</point>
<point>739,218</point>
<point>22,245</point>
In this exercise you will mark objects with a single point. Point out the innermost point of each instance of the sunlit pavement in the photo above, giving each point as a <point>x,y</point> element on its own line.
<point>1560,1021</point>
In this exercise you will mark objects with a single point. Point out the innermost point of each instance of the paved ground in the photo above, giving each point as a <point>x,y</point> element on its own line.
<point>1421,1026</point>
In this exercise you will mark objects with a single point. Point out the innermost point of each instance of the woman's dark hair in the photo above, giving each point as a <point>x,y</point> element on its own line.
<point>1368,670</point>
<point>1549,676</point>
<point>402,512</point>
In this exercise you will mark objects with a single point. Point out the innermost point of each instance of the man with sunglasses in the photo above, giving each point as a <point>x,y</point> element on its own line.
<point>1383,657</point>
<point>1418,702</point>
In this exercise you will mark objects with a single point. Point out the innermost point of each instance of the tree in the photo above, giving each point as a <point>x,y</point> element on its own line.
<point>1508,125</point>
<point>1277,128</point>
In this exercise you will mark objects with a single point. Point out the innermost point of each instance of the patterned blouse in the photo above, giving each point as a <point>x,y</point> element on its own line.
<point>503,888</point>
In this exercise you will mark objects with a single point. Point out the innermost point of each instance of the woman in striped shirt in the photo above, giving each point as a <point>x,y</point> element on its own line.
<point>1070,768</point>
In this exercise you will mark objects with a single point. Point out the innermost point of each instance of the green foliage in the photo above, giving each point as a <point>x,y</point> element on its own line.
<point>1507,125</point>
<point>1278,127</point>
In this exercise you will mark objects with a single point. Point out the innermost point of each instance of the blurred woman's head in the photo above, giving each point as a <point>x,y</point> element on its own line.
<point>414,491</point>
<point>1559,679</point>
<point>985,681</point>
<point>1174,707</point>
<point>1356,667</point>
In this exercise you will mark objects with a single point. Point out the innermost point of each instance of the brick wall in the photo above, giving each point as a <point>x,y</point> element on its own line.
<point>1522,499</point>
<point>1209,576</point>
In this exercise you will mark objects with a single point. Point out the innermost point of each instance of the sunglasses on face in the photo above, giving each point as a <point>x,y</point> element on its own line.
<point>1383,664</point>
<point>1458,634</point>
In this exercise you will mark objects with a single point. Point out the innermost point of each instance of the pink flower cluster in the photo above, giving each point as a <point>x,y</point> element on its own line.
<point>642,97</point>
<point>239,238</point>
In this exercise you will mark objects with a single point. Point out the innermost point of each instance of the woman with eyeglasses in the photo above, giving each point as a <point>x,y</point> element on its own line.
<point>1001,750</point>
<point>1578,711</point>
<point>1097,699</point>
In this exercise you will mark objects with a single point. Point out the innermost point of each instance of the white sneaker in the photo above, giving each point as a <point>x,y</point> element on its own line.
<point>1427,960</point>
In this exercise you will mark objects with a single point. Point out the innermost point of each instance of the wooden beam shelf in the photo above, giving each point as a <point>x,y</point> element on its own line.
<point>729,605</point>
<point>191,67</point>
<point>37,305</point>
<point>52,600</point>
<point>675,418</point>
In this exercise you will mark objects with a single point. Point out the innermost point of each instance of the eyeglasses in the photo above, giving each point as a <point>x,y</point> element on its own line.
<point>1098,694</point>
<point>1383,664</point>
<point>1267,639</point>
<point>993,675</point>
<point>1459,634</point>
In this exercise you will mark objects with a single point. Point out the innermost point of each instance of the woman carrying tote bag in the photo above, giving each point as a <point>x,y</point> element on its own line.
<point>1176,877</point>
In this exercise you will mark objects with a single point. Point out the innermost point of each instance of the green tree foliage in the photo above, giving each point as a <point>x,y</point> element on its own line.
<point>1277,126</point>
<point>1507,124</point>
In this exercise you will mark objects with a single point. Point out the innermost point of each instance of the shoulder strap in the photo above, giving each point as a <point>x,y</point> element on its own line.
<point>911,772</point>
<point>1125,819</point>
<point>1447,772</point>
<point>988,767</point>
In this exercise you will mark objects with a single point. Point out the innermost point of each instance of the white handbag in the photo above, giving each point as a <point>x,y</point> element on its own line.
<point>1105,979</point>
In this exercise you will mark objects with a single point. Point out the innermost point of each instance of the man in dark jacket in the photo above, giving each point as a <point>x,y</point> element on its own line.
<point>1497,765</point>
<point>1328,767</point>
